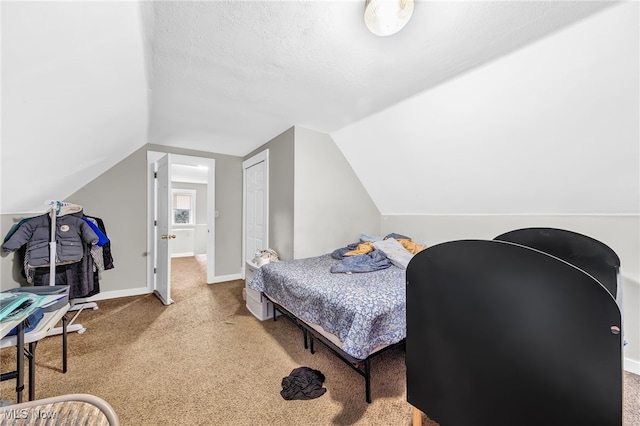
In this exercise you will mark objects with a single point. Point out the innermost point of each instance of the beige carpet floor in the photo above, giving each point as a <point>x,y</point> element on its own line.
<point>205,360</point>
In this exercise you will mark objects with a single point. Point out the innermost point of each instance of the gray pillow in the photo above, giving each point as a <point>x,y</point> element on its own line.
<point>397,254</point>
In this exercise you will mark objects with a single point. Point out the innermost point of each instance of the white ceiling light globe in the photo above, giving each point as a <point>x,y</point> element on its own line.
<point>386,17</point>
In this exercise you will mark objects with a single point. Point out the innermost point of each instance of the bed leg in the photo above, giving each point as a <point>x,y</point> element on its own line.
<point>305,333</point>
<point>312,349</point>
<point>367,379</point>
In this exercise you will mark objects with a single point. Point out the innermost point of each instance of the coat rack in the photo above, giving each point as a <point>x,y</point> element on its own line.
<point>55,207</point>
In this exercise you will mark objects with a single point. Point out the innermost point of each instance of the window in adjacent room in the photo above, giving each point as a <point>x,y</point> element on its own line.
<point>184,206</point>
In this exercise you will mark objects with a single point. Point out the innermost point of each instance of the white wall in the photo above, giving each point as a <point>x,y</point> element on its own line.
<point>74,87</point>
<point>545,136</point>
<point>621,233</point>
<point>191,240</point>
<point>552,128</point>
<point>185,242</point>
<point>331,207</point>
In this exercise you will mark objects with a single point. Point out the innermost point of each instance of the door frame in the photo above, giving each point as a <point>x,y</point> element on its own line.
<point>259,157</point>
<point>152,158</point>
<point>162,272</point>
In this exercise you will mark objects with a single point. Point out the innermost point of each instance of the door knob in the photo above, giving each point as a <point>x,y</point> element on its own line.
<point>165,236</point>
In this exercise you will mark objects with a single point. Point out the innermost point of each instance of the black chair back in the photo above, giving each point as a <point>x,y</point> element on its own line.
<point>501,334</point>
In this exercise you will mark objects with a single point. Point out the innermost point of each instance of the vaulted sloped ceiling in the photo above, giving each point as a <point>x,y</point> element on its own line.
<point>228,76</point>
<point>552,128</point>
<point>87,83</point>
<point>74,96</point>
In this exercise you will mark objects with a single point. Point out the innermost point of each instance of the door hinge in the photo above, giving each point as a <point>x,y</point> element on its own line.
<point>155,270</point>
<point>155,175</point>
<point>155,223</point>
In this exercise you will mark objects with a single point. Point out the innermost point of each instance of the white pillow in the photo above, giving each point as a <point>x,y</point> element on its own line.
<point>397,254</point>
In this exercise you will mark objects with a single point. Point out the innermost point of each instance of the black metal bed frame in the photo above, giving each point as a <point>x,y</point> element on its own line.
<point>361,366</point>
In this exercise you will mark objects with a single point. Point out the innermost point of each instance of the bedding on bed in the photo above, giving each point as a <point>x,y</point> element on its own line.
<point>369,262</point>
<point>365,310</point>
<point>395,252</point>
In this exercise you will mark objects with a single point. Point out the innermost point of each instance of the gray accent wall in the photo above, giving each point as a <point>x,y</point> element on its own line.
<point>228,200</point>
<point>316,202</point>
<point>119,198</point>
<point>281,192</point>
<point>10,272</point>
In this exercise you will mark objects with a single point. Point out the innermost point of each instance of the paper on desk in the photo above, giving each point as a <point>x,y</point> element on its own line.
<point>18,305</point>
<point>51,299</point>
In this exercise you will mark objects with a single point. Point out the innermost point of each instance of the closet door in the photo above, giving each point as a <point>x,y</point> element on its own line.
<point>256,204</point>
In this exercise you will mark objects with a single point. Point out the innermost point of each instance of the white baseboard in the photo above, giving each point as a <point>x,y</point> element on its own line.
<point>105,295</point>
<point>188,254</point>
<point>115,294</point>
<point>632,366</point>
<point>223,278</point>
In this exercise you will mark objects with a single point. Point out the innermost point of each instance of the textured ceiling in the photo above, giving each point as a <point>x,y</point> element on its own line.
<point>227,76</point>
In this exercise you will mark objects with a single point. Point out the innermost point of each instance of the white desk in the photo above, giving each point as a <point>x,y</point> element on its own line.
<point>7,326</point>
<point>49,320</point>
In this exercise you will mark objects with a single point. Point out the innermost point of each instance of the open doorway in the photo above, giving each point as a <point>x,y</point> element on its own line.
<point>189,190</point>
<point>188,276</point>
<point>181,217</point>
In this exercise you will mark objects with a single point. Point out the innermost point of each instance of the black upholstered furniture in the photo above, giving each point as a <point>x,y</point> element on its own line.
<point>500,332</point>
<point>588,254</point>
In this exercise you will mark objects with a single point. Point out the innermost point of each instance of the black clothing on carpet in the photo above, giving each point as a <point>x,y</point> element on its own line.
<point>303,383</point>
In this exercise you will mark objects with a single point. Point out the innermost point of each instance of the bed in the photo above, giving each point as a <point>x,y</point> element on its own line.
<point>356,315</point>
<point>516,330</point>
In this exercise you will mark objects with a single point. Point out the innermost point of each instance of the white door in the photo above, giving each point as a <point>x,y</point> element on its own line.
<point>256,204</point>
<point>163,231</point>
<point>155,258</point>
<point>200,170</point>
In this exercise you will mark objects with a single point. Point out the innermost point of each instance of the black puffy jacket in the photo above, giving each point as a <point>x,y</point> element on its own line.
<point>72,234</point>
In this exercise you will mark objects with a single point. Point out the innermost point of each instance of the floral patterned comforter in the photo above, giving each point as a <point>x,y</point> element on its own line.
<point>365,310</point>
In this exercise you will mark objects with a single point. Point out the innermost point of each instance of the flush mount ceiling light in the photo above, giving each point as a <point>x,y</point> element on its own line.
<point>386,17</point>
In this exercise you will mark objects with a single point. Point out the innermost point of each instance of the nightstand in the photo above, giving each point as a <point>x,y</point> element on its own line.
<point>257,304</point>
